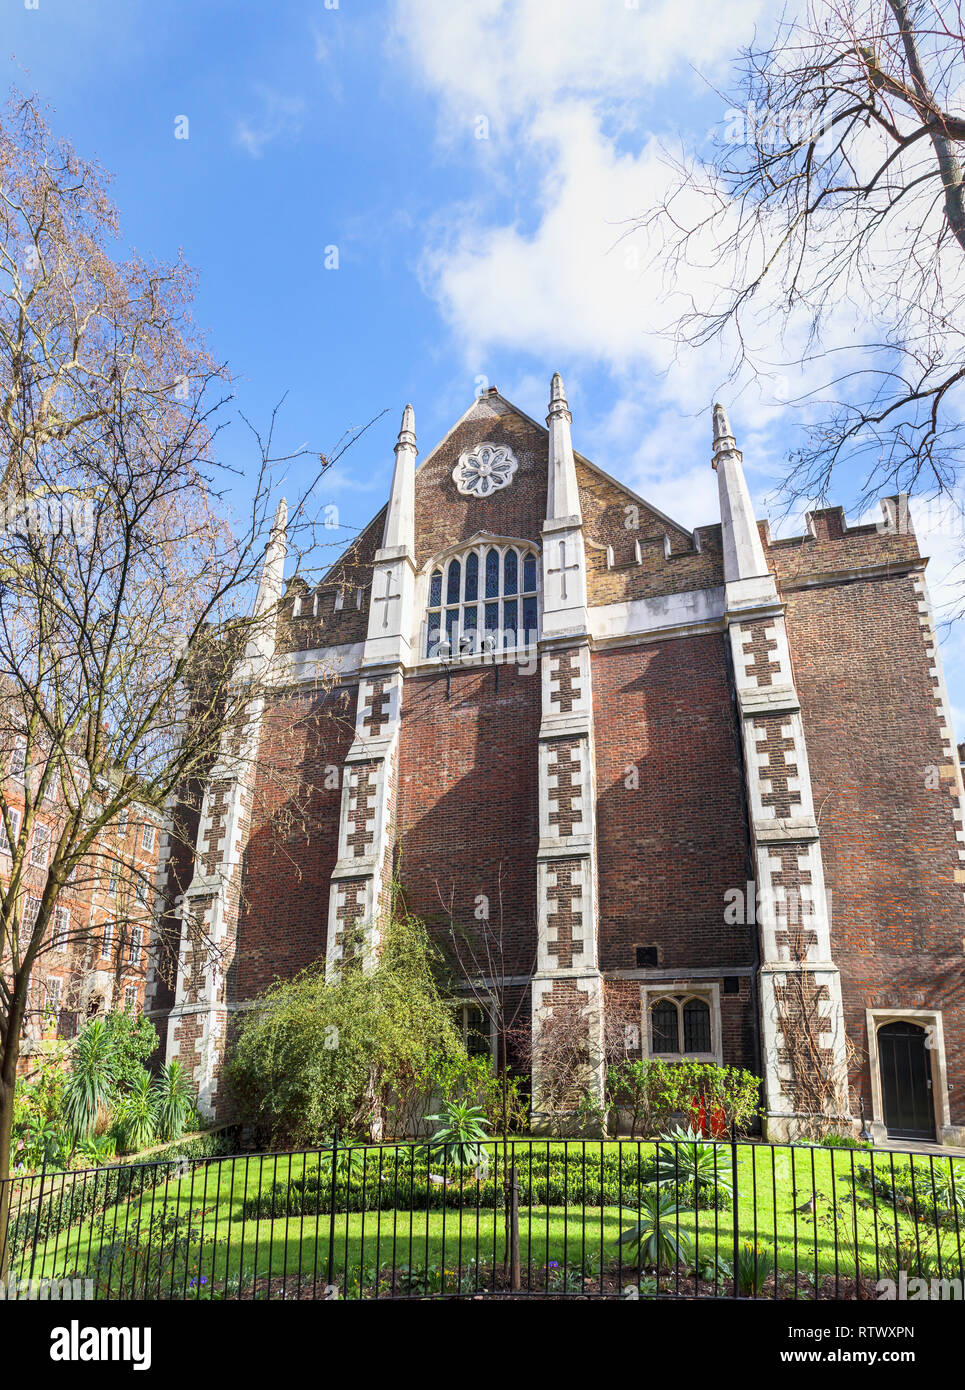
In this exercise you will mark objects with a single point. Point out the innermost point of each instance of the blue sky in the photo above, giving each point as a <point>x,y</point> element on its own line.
<point>475,165</point>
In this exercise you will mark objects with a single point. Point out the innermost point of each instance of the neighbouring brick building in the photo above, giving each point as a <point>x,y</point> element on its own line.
<point>705,781</point>
<point>94,958</point>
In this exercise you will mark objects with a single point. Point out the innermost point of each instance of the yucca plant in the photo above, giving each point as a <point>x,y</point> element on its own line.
<point>137,1114</point>
<point>88,1086</point>
<point>655,1237</point>
<point>690,1159</point>
<point>173,1100</point>
<point>460,1133</point>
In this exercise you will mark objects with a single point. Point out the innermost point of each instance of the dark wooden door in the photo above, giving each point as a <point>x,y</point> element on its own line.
<point>906,1081</point>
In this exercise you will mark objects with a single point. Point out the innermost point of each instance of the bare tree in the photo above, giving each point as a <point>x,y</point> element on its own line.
<point>831,215</point>
<point>130,645</point>
<point>563,1054</point>
<point>494,969</point>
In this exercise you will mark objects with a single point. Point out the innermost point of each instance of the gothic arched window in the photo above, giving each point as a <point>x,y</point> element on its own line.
<point>464,622</point>
<point>680,1026</point>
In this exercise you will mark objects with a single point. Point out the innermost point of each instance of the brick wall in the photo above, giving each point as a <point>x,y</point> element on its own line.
<point>670,847</point>
<point>92,969</point>
<point>292,848</point>
<point>467,798</point>
<point>444,516</point>
<point>887,826</point>
<point>607,523</point>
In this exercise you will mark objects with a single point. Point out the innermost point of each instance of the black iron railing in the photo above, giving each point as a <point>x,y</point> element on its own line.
<point>620,1219</point>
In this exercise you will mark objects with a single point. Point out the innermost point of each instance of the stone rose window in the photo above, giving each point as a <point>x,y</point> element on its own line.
<point>483,600</point>
<point>484,470</point>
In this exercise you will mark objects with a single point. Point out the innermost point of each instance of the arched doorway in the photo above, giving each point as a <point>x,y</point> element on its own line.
<point>906,1086</point>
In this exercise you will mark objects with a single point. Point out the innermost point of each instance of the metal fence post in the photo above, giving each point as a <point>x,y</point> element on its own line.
<point>40,1203</point>
<point>733,1172</point>
<point>514,1273</point>
<point>331,1215</point>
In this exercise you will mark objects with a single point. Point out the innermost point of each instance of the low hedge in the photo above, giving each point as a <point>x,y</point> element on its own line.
<point>409,1187</point>
<point>76,1196</point>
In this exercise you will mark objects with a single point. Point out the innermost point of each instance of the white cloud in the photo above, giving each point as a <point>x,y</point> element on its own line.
<point>568,90</point>
<point>278,117</point>
<point>554,287</point>
<point>505,57</point>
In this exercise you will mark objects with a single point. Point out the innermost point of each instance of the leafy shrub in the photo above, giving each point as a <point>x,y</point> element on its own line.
<point>96,1150</point>
<point>382,1179</point>
<point>107,1076</point>
<point>443,1078</point>
<point>41,1142</point>
<point>38,1134</point>
<point>131,1040</point>
<point>320,1056</point>
<point>651,1092</point>
<point>928,1193</point>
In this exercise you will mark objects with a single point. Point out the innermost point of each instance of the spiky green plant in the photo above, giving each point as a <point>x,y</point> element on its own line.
<point>689,1158</point>
<point>349,1161</point>
<point>460,1133</point>
<point>655,1236</point>
<point>137,1114</point>
<point>88,1086</point>
<point>173,1100</point>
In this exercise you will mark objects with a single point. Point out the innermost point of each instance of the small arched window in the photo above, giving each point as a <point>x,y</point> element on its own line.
<point>461,621</point>
<point>680,1026</point>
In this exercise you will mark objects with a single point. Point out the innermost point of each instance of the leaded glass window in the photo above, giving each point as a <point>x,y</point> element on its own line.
<point>504,616</point>
<point>680,1026</point>
<point>696,1026</point>
<point>663,1023</point>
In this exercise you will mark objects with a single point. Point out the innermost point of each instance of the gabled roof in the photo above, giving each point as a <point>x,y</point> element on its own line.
<point>468,413</point>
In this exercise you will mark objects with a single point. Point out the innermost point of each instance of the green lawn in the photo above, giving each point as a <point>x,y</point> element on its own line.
<point>218,1250</point>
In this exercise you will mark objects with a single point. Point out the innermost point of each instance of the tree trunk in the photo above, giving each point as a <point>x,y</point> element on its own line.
<point>8,1085</point>
<point>948,162</point>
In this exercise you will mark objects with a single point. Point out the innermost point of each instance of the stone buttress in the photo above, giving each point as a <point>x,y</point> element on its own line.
<point>567,980</point>
<point>211,907</point>
<point>803,1036</point>
<point>361,889</point>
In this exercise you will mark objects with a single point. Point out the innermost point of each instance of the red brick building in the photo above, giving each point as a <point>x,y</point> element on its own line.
<point>705,780</point>
<point>94,958</point>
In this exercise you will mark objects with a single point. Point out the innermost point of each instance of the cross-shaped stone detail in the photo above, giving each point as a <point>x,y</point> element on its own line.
<point>388,597</point>
<point>562,568</point>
